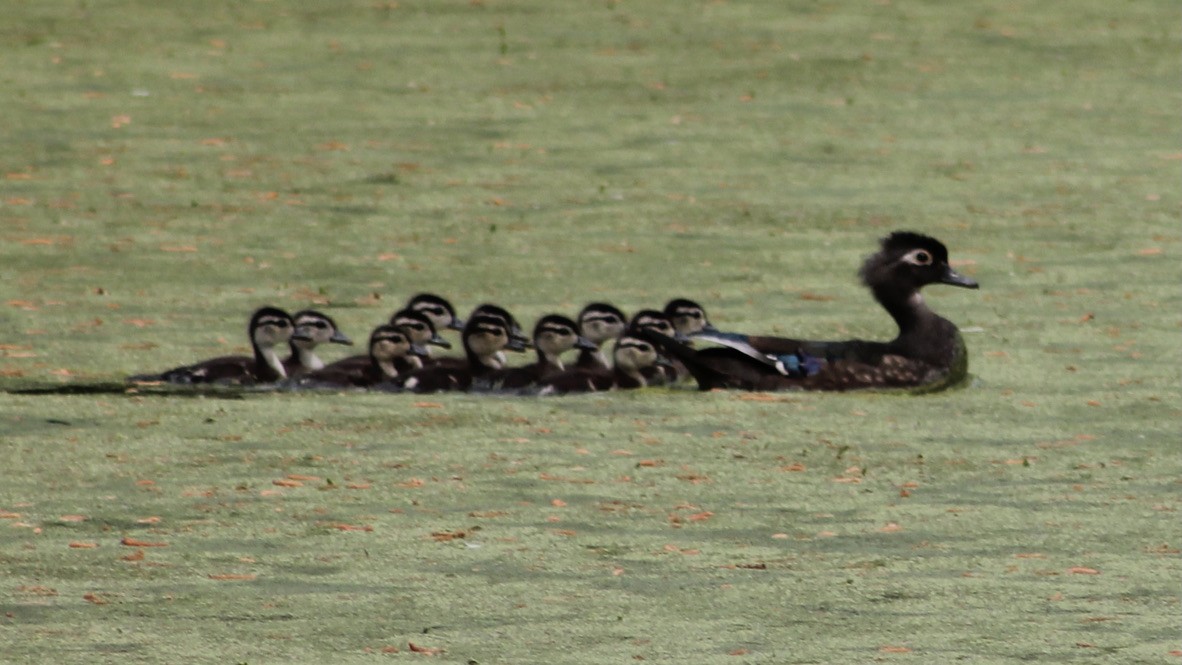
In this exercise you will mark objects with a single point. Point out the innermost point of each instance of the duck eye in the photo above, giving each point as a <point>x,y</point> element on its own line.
<point>320,324</point>
<point>922,258</point>
<point>280,323</point>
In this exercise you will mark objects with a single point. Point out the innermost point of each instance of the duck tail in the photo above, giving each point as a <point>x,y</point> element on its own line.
<point>707,377</point>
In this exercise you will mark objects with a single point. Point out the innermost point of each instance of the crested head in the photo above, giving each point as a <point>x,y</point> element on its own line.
<point>905,241</point>
<point>906,262</point>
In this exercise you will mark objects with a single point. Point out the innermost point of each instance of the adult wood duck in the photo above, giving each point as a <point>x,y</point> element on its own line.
<point>599,322</point>
<point>484,337</point>
<point>312,328</point>
<point>392,351</point>
<point>631,358</point>
<point>927,353</point>
<point>270,330</point>
<point>554,335</point>
<point>442,313</point>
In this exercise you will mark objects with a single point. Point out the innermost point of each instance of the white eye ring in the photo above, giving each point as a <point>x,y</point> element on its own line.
<point>919,257</point>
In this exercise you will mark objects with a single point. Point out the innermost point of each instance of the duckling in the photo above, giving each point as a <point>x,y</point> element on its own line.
<point>672,370</point>
<point>442,313</point>
<point>312,328</point>
<point>484,337</point>
<point>688,317</point>
<point>927,353</point>
<point>517,336</point>
<point>269,330</point>
<point>420,327</point>
<point>632,357</point>
<point>554,335</point>
<point>598,323</point>
<point>391,351</point>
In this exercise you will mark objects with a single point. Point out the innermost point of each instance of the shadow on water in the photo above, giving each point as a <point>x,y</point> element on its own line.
<point>152,390</point>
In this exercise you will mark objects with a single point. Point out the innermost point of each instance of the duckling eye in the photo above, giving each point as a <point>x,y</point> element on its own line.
<point>320,325</point>
<point>281,323</point>
<point>644,348</point>
<point>921,258</point>
<point>432,309</point>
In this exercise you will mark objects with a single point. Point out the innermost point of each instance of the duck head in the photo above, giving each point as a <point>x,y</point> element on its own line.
<point>555,334</point>
<point>313,328</point>
<point>600,322</point>
<point>420,326</point>
<point>270,327</point>
<point>485,337</point>
<point>388,343</point>
<point>908,261</point>
<point>442,314</point>
<point>517,339</point>
<point>632,355</point>
<point>688,317</point>
<point>651,319</point>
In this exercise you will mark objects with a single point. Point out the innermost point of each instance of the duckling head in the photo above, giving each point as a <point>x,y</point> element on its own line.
<point>599,322</point>
<point>485,336</point>
<point>388,343</point>
<point>688,317</point>
<point>441,311</point>
<point>632,355</point>
<point>517,339</point>
<point>313,328</point>
<point>270,327</point>
<point>651,319</point>
<point>555,334</point>
<point>420,327</point>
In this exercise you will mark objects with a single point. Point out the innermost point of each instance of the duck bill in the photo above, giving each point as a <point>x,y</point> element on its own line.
<point>420,351</point>
<point>953,278</point>
<point>662,361</point>
<point>585,344</point>
<point>708,328</point>
<point>300,336</point>
<point>339,337</point>
<point>436,340</point>
<point>456,324</point>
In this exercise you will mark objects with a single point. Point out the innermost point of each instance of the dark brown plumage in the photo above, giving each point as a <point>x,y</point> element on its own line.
<point>269,330</point>
<point>928,351</point>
